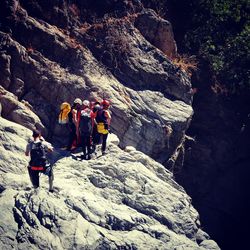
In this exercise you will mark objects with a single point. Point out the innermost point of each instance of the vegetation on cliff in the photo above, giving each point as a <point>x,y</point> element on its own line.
<point>216,31</point>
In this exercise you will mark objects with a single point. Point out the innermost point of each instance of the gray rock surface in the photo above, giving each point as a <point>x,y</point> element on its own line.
<point>123,200</point>
<point>135,62</point>
<point>137,114</point>
<point>19,112</point>
<point>157,31</point>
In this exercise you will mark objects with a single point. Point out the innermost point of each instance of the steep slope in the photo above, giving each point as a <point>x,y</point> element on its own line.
<point>44,65</point>
<point>125,200</point>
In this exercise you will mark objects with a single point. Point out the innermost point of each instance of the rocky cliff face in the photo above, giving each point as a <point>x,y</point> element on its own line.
<point>55,51</point>
<point>44,65</point>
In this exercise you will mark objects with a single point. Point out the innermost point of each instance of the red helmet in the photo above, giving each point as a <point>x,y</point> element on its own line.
<point>105,103</point>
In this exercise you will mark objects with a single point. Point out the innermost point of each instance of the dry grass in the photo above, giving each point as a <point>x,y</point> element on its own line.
<point>107,22</point>
<point>75,10</point>
<point>186,63</point>
<point>84,27</point>
<point>74,43</point>
<point>120,21</point>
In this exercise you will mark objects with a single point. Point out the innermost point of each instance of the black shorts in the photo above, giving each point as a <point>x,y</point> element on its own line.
<point>34,175</point>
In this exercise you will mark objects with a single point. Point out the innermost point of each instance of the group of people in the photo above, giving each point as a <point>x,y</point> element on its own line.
<point>88,124</point>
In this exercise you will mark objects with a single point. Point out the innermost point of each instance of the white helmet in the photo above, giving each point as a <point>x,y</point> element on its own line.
<point>85,103</point>
<point>78,101</point>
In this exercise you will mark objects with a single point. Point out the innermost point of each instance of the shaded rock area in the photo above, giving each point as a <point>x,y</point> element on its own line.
<point>124,200</point>
<point>216,167</point>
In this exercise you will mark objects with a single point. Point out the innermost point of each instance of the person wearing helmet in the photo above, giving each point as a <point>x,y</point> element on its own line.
<point>74,123</point>
<point>85,129</point>
<point>96,106</point>
<point>37,148</point>
<point>103,118</point>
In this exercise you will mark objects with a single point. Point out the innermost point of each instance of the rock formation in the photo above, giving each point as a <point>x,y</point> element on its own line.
<point>47,66</point>
<point>19,112</point>
<point>125,200</point>
<point>55,51</point>
<point>157,31</point>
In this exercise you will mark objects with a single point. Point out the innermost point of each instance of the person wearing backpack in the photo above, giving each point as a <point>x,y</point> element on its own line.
<point>103,118</point>
<point>73,121</point>
<point>36,149</point>
<point>95,135</point>
<point>85,129</point>
<point>65,109</point>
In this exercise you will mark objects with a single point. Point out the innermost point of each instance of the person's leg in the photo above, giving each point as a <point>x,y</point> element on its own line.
<point>51,179</point>
<point>88,144</point>
<point>95,138</point>
<point>34,177</point>
<point>72,136</point>
<point>104,142</point>
<point>95,135</point>
<point>84,145</point>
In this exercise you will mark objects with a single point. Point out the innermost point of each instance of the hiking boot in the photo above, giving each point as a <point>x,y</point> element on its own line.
<point>89,157</point>
<point>104,153</point>
<point>93,148</point>
<point>83,157</point>
<point>51,190</point>
<point>36,190</point>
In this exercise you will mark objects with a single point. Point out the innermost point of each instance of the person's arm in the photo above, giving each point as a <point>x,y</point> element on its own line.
<point>48,146</point>
<point>75,120</point>
<point>92,116</point>
<point>27,151</point>
<point>108,116</point>
<point>74,117</point>
<point>50,149</point>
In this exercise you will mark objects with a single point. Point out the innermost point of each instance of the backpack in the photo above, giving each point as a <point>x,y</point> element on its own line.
<point>100,116</point>
<point>85,122</point>
<point>38,155</point>
<point>102,122</point>
<point>64,113</point>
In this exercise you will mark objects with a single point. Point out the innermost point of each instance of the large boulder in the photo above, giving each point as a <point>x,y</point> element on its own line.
<point>122,200</point>
<point>19,112</point>
<point>157,31</point>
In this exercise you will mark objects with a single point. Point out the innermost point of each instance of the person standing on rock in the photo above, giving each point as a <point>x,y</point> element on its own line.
<point>36,149</point>
<point>95,135</point>
<point>103,118</point>
<point>85,129</point>
<point>74,124</point>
